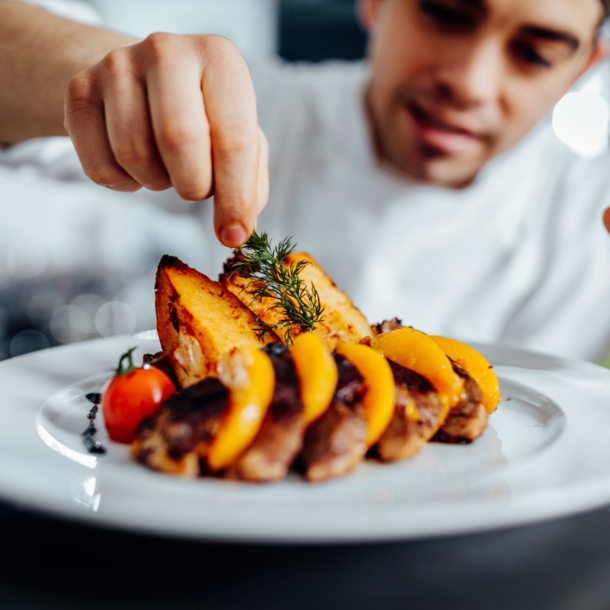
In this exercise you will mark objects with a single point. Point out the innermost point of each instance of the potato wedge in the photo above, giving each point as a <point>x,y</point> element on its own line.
<point>199,320</point>
<point>341,320</point>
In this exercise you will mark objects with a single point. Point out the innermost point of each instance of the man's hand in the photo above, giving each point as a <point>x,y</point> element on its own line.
<point>174,111</point>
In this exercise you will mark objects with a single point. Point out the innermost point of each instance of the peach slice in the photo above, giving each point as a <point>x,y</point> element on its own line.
<point>477,366</point>
<point>318,374</point>
<point>249,376</point>
<point>417,351</point>
<point>379,400</point>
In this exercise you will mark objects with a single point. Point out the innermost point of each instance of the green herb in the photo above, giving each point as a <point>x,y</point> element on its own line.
<point>123,369</point>
<point>272,278</point>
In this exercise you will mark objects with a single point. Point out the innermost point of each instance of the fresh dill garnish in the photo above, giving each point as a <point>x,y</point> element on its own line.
<point>272,278</point>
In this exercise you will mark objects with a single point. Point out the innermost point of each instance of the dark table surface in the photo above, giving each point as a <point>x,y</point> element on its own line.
<point>50,563</point>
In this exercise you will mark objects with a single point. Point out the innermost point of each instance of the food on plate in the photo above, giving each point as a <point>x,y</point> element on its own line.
<point>416,351</point>
<point>133,394</point>
<point>468,419</point>
<point>318,374</point>
<point>183,428</point>
<point>280,438</point>
<point>249,376</point>
<point>477,366</point>
<point>464,417</point>
<point>279,371</point>
<point>378,400</point>
<point>418,413</point>
<point>288,291</point>
<point>336,442</point>
<point>198,320</point>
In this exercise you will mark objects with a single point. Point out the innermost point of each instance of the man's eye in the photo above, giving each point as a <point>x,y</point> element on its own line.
<point>528,53</point>
<point>447,16</point>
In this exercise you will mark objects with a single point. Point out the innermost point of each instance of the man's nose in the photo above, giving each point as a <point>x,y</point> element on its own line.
<point>469,74</point>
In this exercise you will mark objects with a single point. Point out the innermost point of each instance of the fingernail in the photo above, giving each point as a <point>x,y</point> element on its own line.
<point>233,235</point>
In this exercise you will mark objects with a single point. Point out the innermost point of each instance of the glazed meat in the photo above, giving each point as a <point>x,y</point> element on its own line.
<point>280,438</point>
<point>335,443</point>
<point>183,429</point>
<point>468,419</point>
<point>416,416</point>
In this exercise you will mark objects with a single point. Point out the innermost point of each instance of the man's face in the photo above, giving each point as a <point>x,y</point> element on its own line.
<point>457,82</point>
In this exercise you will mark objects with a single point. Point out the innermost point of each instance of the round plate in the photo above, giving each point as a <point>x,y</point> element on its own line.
<point>545,454</point>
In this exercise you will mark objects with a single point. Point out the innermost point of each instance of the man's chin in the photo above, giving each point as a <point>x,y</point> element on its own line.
<point>445,172</point>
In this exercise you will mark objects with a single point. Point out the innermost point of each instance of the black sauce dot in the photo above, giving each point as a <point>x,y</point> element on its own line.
<point>88,435</point>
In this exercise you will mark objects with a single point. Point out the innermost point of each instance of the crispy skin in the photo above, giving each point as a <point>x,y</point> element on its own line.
<point>280,438</point>
<point>182,430</point>
<point>415,419</point>
<point>335,443</point>
<point>467,420</point>
<point>341,319</point>
<point>198,320</point>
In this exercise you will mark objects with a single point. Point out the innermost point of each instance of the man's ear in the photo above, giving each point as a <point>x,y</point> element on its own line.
<point>368,10</point>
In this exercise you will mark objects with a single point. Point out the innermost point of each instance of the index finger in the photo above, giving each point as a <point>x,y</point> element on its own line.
<point>230,105</point>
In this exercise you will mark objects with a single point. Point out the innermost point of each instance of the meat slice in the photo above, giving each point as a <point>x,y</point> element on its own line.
<point>280,438</point>
<point>335,443</point>
<point>388,325</point>
<point>467,420</point>
<point>182,430</point>
<point>416,416</point>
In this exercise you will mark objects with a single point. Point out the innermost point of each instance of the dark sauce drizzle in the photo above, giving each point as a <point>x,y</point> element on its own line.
<point>88,435</point>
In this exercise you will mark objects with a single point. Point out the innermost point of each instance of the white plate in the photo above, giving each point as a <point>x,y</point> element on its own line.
<point>545,454</point>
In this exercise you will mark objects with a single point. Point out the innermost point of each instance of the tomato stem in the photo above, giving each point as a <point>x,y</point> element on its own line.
<point>131,367</point>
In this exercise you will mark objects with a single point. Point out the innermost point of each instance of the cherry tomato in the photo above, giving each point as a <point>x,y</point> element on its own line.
<point>132,395</point>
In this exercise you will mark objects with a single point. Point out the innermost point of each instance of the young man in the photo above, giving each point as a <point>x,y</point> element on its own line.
<point>397,174</point>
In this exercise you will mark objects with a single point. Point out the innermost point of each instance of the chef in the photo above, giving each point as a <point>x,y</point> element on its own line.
<point>426,180</point>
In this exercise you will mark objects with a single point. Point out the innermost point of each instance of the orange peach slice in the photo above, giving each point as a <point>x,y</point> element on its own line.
<point>477,366</point>
<point>417,351</point>
<point>379,400</point>
<point>249,376</point>
<point>317,372</point>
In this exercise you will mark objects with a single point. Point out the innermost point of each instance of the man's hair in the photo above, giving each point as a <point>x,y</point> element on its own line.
<point>602,27</point>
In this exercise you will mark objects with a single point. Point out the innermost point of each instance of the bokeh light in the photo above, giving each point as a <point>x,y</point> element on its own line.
<point>28,341</point>
<point>115,318</point>
<point>580,121</point>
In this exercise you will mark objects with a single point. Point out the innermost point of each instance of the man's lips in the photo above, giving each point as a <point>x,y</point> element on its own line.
<point>439,134</point>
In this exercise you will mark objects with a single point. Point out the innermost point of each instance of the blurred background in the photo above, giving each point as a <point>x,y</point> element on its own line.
<point>83,264</point>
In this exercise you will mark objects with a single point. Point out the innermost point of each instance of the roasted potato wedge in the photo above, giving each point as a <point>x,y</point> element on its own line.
<point>341,320</point>
<point>199,320</point>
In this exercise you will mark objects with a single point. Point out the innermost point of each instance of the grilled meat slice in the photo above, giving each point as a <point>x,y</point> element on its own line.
<point>182,430</point>
<point>280,438</point>
<point>416,416</point>
<point>467,420</point>
<point>387,325</point>
<point>335,443</point>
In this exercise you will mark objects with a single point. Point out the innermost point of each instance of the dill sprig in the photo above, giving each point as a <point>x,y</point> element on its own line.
<point>272,278</point>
